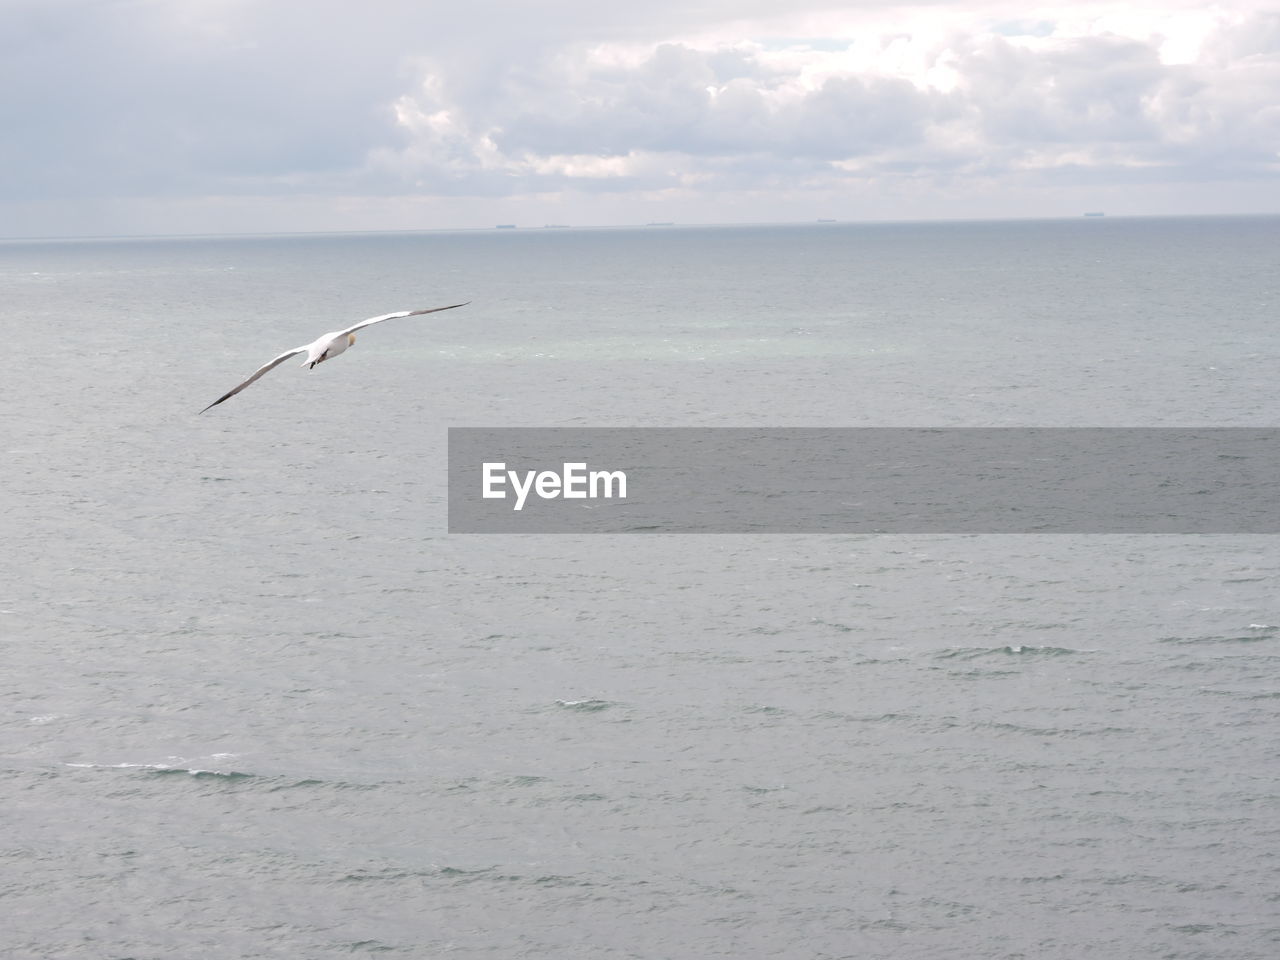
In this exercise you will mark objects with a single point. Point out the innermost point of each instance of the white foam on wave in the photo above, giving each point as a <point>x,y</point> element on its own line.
<point>174,764</point>
<point>590,704</point>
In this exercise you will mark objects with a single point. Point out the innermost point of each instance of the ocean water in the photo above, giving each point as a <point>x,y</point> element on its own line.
<point>259,704</point>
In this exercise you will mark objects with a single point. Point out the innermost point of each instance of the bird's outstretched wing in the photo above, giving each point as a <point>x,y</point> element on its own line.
<point>394,316</point>
<point>270,365</point>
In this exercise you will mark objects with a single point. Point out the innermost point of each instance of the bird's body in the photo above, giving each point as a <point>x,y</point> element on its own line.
<point>329,346</point>
<point>326,347</point>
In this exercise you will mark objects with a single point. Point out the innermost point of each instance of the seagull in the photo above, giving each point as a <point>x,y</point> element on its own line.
<point>326,347</point>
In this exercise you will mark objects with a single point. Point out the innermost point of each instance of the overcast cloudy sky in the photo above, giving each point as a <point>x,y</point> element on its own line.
<point>192,116</point>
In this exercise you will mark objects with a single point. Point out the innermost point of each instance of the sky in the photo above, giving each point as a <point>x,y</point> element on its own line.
<point>234,116</point>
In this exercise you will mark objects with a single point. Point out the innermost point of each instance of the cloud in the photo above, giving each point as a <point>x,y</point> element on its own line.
<point>1083,91</point>
<point>1036,101</point>
<point>594,117</point>
<point>112,100</point>
<point>138,97</point>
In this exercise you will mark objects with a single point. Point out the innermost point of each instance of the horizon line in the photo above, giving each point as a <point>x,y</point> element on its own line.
<point>650,226</point>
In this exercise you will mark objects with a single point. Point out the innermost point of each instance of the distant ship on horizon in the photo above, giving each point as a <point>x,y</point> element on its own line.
<point>1095,213</point>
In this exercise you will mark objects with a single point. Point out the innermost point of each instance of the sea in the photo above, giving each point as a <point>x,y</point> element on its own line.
<point>260,703</point>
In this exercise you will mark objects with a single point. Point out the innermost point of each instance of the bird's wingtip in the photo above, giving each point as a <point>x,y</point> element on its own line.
<point>452,306</point>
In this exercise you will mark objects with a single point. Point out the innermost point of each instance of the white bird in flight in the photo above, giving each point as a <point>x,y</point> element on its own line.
<point>326,347</point>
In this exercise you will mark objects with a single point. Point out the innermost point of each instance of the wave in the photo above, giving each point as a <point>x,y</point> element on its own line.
<point>1004,726</point>
<point>165,769</point>
<point>463,875</point>
<point>586,706</point>
<point>221,773</point>
<point>1014,650</point>
<point>1261,633</point>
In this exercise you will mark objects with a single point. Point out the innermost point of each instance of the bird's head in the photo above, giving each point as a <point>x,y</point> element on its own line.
<point>351,339</point>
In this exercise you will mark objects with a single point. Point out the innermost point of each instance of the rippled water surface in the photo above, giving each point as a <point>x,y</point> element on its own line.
<point>259,704</point>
